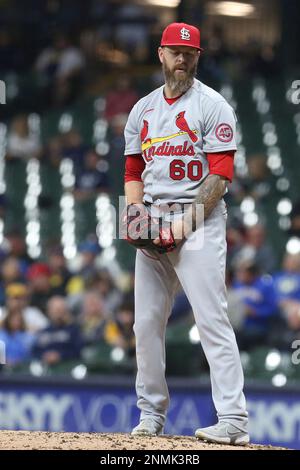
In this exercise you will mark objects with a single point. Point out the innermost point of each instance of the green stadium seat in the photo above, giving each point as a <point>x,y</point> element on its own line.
<point>99,359</point>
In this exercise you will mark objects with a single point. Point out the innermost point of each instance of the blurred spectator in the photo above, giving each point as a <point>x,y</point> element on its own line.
<point>17,301</point>
<point>89,250</point>
<point>235,237</point>
<point>133,30</point>
<point>236,192</point>
<point>38,276</point>
<point>3,205</point>
<point>121,98</point>
<point>258,296</point>
<point>264,254</point>
<point>73,148</point>
<point>10,54</point>
<point>61,340</point>
<point>117,126</point>
<point>157,78</point>
<point>291,322</point>
<point>287,281</point>
<point>103,283</point>
<point>93,318</point>
<point>216,54</point>
<point>17,248</point>
<point>17,340</point>
<point>257,183</point>
<point>59,272</point>
<point>22,144</point>
<point>295,220</point>
<point>53,152</point>
<point>287,285</point>
<point>10,272</point>
<point>70,58</point>
<point>60,67</point>
<point>117,143</point>
<point>120,331</point>
<point>261,60</point>
<point>236,307</point>
<point>93,178</point>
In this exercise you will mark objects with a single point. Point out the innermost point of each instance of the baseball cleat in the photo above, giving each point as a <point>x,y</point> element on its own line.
<point>147,427</point>
<point>223,433</point>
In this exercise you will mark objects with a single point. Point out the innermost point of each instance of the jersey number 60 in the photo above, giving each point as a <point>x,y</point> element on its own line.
<point>179,169</point>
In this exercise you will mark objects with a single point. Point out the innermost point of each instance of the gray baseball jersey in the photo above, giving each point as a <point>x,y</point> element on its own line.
<point>174,140</point>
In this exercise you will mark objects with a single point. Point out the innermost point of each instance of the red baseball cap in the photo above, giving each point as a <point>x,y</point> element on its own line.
<point>181,34</point>
<point>38,269</point>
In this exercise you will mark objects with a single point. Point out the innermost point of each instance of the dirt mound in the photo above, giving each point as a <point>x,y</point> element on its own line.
<point>27,440</point>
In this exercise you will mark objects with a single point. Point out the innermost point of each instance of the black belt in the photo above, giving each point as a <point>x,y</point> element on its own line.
<point>182,205</point>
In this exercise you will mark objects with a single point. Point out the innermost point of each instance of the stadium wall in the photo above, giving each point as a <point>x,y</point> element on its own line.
<point>107,405</point>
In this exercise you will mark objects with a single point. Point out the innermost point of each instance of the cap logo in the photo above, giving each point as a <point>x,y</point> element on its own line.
<point>185,34</point>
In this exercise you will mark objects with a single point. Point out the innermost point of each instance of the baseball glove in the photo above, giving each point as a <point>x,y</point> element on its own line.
<point>140,229</point>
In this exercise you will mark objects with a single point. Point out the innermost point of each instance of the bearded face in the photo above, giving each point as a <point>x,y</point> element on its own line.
<point>179,75</point>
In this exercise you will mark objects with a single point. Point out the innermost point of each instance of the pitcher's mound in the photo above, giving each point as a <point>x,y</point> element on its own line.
<point>28,440</point>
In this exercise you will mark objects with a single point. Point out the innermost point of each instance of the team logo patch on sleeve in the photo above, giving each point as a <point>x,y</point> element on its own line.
<point>224,132</point>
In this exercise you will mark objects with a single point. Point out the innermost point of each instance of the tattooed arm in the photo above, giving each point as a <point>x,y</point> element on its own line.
<point>134,192</point>
<point>209,194</point>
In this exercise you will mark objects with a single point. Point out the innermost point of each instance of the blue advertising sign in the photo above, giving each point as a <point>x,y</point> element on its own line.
<point>274,417</point>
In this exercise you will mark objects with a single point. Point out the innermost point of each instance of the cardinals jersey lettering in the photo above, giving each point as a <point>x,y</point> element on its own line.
<point>174,140</point>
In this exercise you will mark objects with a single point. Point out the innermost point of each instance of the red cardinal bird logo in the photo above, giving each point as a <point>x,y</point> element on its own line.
<point>183,126</point>
<point>144,131</point>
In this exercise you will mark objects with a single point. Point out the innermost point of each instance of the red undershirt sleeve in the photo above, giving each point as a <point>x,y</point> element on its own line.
<point>221,163</point>
<point>134,167</point>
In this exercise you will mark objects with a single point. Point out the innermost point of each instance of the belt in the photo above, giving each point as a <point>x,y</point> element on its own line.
<point>176,205</point>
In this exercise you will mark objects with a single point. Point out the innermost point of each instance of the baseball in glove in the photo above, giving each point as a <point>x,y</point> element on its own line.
<point>140,229</point>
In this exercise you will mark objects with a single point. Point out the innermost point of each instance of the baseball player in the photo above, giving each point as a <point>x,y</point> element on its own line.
<point>180,145</point>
